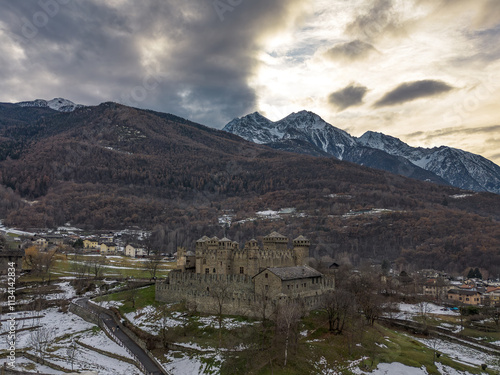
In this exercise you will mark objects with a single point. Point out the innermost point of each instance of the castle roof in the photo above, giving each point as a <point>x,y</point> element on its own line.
<point>203,239</point>
<point>274,235</point>
<point>301,238</point>
<point>214,238</point>
<point>292,273</point>
<point>225,239</point>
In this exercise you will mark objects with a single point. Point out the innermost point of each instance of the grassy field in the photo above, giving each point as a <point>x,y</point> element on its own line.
<point>113,266</point>
<point>142,297</point>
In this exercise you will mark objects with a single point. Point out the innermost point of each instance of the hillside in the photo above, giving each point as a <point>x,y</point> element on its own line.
<point>112,166</point>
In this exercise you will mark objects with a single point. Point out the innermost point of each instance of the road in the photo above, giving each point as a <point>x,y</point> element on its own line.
<point>150,366</point>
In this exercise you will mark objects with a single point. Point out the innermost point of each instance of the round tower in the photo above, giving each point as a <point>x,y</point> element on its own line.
<point>301,247</point>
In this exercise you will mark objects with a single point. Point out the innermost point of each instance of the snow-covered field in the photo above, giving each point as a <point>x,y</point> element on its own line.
<point>179,363</point>
<point>408,311</point>
<point>396,368</point>
<point>64,328</point>
<point>462,353</point>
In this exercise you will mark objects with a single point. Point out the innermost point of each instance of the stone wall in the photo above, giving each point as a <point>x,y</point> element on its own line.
<point>242,298</point>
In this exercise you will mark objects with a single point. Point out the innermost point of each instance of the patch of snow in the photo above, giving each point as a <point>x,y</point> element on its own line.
<point>461,196</point>
<point>176,362</point>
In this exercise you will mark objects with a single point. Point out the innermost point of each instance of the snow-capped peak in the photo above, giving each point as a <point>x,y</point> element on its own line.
<point>57,104</point>
<point>440,164</point>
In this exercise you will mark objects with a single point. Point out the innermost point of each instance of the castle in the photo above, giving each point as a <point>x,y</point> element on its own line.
<point>252,279</point>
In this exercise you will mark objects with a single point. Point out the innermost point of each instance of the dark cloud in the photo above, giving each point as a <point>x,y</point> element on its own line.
<point>350,51</point>
<point>409,91</point>
<point>369,25</point>
<point>189,58</point>
<point>349,96</point>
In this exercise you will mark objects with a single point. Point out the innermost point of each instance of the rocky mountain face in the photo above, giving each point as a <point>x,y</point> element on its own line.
<point>314,136</point>
<point>460,168</point>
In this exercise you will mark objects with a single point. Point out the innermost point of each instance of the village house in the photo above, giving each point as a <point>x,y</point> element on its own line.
<point>90,244</point>
<point>436,287</point>
<point>108,248</point>
<point>465,296</point>
<point>254,278</point>
<point>41,243</point>
<point>491,296</point>
<point>54,239</point>
<point>134,251</point>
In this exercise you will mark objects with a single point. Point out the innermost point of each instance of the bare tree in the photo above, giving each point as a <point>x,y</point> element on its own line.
<point>72,352</point>
<point>96,265</point>
<point>40,262</point>
<point>424,307</point>
<point>152,264</point>
<point>220,293</point>
<point>164,318</point>
<point>40,340</point>
<point>339,305</point>
<point>263,302</point>
<point>287,319</point>
<point>365,290</point>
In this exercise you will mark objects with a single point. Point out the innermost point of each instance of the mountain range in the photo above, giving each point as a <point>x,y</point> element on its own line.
<point>307,133</point>
<point>112,166</point>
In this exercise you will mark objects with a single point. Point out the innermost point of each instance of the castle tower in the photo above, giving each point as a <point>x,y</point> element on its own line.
<point>301,247</point>
<point>252,253</point>
<point>275,242</point>
<point>201,247</point>
<point>224,255</point>
<point>181,258</point>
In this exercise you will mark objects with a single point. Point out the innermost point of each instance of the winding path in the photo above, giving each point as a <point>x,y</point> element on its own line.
<point>149,366</point>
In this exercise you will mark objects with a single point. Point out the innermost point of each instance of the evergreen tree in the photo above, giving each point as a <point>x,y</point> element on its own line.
<point>470,275</point>
<point>477,274</point>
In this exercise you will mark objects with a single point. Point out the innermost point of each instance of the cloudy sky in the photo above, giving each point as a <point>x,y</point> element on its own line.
<point>426,71</point>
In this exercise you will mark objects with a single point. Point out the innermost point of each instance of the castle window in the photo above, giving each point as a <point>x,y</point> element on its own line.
<point>267,276</point>
<point>207,270</point>
<point>267,287</point>
<point>214,270</point>
<point>242,270</point>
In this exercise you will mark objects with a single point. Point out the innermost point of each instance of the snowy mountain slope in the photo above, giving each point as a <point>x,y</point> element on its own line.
<point>444,165</point>
<point>304,126</point>
<point>460,168</point>
<point>57,104</point>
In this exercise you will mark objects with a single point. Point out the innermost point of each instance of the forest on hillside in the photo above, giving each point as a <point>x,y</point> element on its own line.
<point>111,167</point>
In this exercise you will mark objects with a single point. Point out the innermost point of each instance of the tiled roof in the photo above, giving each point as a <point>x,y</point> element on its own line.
<point>291,273</point>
